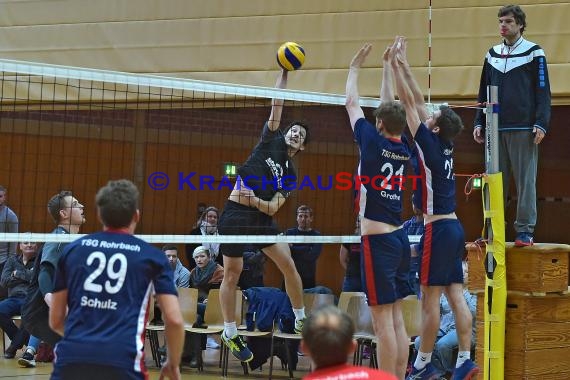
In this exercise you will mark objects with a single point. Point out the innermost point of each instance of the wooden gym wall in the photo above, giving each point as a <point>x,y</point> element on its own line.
<point>235,40</point>
<point>41,158</point>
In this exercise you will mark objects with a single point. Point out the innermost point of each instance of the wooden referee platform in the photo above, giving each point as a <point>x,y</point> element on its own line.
<point>537,341</point>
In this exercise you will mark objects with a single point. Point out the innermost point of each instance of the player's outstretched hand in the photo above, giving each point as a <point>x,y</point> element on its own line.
<point>360,56</point>
<point>169,371</point>
<point>397,52</point>
<point>386,55</point>
<point>401,45</point>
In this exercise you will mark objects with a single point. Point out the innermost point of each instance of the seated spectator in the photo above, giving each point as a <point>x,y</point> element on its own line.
<point>181,277</point>
<point>16,276</point>
<point>207,224</point>
<point>305,255</point>
<point>207,274</point>
<point>447,344</point>
<point>181,274</point>
<point>8,223</point>
<point>328,341</point>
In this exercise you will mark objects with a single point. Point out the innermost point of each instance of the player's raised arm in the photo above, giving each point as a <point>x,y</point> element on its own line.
<point>401,55</point>
<point>352,97</point>
<point>404,92</point>
<point>277,104</point>
<point>387,86</point>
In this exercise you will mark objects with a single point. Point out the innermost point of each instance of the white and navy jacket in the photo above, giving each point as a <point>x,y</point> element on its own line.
<point>521,74</point>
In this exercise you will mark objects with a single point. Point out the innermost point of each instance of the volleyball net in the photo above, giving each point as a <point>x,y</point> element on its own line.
<point>179,140</point>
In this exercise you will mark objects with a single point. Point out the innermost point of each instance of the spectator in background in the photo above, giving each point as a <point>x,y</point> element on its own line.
<point>181,274</point>
<point>415,226</point>
<point>207,224</point>
<point>328,341</point>
<point>207,275</point>
<point>16,277</point>
<point>350,260</point>
<point>8,224</point>
<point>68,214</point>
<point>305,255</point>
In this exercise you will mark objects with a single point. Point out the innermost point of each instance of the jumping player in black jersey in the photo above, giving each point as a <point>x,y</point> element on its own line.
<point>265,181</point>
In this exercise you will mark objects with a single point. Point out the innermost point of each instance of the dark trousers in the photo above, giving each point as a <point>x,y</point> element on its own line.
<point>93,372</point>
<point>10,307</point>
<point>3,290</point>
<point>41,330</point>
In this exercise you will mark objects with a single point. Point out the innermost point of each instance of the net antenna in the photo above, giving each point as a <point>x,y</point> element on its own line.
<point>429,54</point>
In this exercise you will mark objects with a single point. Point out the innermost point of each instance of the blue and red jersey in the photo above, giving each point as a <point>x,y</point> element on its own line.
<point>436,193</point>
<point>383,162</point>
<point>110,277</point>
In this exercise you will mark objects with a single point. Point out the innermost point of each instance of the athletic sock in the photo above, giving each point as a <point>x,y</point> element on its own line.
<point>230,329</point>
<point>299,313</point>
<point>423,359</point>
<point>462,356</point>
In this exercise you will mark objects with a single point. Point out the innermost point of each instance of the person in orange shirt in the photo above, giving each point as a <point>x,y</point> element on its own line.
<point>328,341</point>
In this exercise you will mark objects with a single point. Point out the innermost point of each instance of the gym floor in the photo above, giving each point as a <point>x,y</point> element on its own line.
<point>9,369</point>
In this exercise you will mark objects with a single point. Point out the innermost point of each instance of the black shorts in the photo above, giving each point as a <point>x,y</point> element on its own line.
<point>237,219</point>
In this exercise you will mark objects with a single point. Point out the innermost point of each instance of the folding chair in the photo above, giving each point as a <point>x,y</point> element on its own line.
<point>243,332</point>
<point>356,306</point>
<point>188,300</point>
<point>311,301</point>
<point>214,324</point>
<point>412,313</point>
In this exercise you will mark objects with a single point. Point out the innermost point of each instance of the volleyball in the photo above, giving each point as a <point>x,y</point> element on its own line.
<point>290,56</point>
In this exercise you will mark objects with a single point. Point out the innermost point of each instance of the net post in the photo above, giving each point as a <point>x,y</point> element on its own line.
<point>495,260</point>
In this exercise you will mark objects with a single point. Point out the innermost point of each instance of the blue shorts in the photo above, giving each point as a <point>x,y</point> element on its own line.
<point>385,267</point>
<point>89,371</point>
<point>443,245</point>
